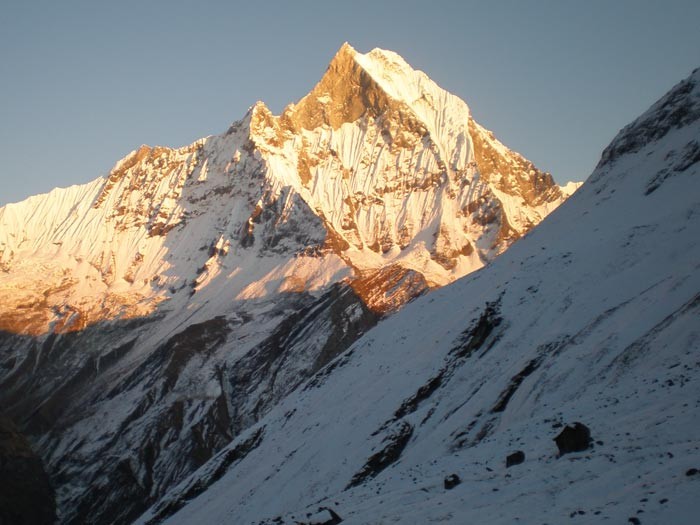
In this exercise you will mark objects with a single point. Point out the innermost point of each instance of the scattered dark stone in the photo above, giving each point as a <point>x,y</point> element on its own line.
<point>599,442</point>
<point>516,458</point>
<point>634,521</point>
<point>574,438</point>
<point>691,472</point>
<point>452,481</point>
<point>663,500</point>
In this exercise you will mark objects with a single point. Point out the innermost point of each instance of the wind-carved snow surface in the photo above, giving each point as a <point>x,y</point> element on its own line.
<point>591,318</point>
<point>151,316</point>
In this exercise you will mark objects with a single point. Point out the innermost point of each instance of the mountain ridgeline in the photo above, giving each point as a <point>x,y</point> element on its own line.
<point>154,315</point>
<point>559,384</point>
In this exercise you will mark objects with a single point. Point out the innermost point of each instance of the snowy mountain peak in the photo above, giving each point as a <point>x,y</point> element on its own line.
<point>190,290</point>
<point>374,111</point>
<point>378,83</point>
<point>345,93</point>
<point>376,167</point>
<point>557,385</point>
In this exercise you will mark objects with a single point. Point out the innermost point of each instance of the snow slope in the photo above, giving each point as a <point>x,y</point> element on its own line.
<point>406,177</point>
<point>591,318</point>
<point>151,316</point>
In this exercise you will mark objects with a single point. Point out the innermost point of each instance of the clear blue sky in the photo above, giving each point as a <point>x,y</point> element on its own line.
<point>84,83</point>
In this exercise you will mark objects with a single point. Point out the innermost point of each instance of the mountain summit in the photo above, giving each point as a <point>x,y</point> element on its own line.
<point>150,316</point>
<point>560,384</point>
<point>377,166</point>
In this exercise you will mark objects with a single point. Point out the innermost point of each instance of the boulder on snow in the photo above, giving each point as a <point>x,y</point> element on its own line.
<point>516,458</point>
<point>452,481</point>
<point>574,438</point>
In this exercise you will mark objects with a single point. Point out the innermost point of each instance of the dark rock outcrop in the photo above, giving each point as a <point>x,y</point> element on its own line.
<point>26,497</point>
<point>452,481</point>
<point>514,384</point>
<point>574,438</point>
<point>396,441</point>
<point>678,108</point>
<point>325,516</point>
<point>516,458</point>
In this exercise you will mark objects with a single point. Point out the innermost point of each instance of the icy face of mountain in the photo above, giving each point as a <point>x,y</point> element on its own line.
<point>377,164</point>
<point>590,320</point>
<point>401,170</point>
<point>153,315</point>
<point>160,227</point>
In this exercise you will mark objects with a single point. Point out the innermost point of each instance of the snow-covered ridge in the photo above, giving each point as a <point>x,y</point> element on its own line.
<point>678,108</point>
<point>445,115</point>
<point>404,176</point>
<point>153,315</point>
<point>591,318</point>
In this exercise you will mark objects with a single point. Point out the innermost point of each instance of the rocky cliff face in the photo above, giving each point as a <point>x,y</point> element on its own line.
<point>150,316</point>
<point>26,497</point>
